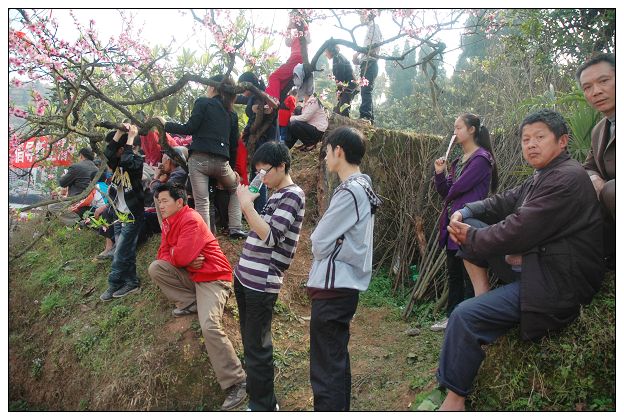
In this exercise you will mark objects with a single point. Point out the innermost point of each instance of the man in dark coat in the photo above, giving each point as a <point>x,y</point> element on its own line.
<point>76,180</point>
<point>597,79</point>
<point>552,224</point>
<point>80,174</point>
<point>346,88</point>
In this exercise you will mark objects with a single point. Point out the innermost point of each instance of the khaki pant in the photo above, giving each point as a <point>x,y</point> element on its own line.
<point>211,297</point>
<point>203,166</point>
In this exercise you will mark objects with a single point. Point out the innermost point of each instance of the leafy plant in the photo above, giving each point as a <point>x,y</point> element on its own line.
<point>380,292</point>
<point>52,302</point>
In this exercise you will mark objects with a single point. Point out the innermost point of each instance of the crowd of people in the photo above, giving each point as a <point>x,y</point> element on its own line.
<point>548,240</point>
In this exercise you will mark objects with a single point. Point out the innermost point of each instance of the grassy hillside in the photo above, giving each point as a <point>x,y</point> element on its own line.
<point>70,351</point>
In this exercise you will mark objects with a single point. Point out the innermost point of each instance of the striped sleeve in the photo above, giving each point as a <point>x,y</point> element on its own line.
<point>283,218</point>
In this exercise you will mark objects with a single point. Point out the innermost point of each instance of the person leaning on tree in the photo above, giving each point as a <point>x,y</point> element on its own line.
<point>553,223</point>
<point>214,127</point>
<point>597,79</point>
<point>346,88</point>
<point>78,177</point>
<point>192,271</point>
<point>127,193</point>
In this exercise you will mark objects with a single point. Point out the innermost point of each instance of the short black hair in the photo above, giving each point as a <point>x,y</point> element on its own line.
<point>333,49</point>
<point>554,120</point>
<point>123,139</point>
<point>87,153</point>
<point>175,191</point>
<point>351,140</point>
<point>598,58</point>
<point>273,153</point>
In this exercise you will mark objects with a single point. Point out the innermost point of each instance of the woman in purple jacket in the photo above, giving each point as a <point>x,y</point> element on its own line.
<point>469,179</point>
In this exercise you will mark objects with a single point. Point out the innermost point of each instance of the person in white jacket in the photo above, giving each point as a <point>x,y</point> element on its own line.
<point>308,127</point>
<point>342,245</point>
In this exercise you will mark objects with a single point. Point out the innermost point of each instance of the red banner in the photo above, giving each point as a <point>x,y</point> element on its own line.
<point>35,148</point>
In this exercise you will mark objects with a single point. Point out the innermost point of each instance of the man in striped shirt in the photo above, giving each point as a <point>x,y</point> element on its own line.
<point>267,254</point>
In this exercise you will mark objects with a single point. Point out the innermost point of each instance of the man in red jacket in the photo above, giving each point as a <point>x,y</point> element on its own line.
<point>193,272</point>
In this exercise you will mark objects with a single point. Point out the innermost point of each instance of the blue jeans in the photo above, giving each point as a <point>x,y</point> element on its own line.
<point>475,322</point>
<point>255,310</point>
<point>123,268</point>
<point>283,131</point>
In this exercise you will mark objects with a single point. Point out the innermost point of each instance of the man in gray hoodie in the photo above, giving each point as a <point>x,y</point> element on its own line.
<point>342,244</point>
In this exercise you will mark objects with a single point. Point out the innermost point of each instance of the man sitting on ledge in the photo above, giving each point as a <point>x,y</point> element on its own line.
<point>545,234</point>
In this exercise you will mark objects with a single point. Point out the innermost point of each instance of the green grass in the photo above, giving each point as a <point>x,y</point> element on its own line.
<point>124,355</point>
<point>380,293</point>
<point>52,302</point>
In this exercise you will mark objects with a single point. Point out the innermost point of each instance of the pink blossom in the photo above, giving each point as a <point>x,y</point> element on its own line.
<point>362,81</point>
<point>19,113</point>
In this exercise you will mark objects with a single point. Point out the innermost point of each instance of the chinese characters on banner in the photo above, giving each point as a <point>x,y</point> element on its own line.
<point>35,148</point>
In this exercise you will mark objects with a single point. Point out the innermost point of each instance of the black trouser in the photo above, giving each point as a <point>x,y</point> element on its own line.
<point>330,368</point>
<point>368,70</point>
<point>255,310</point>
<point>300,130</point>
<point>459,284</point>
<point>343,107</point>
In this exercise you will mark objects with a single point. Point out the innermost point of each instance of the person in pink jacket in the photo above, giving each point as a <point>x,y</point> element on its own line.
<point>308,127</point>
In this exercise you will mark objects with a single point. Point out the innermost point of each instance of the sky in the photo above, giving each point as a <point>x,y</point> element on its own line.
<point>160,26</point>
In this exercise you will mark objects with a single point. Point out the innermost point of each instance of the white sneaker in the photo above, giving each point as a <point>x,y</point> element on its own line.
<point>440,325</point>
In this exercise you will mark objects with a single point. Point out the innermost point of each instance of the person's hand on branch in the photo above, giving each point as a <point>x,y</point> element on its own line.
<point>120,133</point>
<point>132,133</point>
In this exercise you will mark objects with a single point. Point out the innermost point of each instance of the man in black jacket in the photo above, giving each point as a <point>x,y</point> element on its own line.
<point>549,230</point>
<point>212,153</point>
<point>126,191</point>
<point>346,88</point>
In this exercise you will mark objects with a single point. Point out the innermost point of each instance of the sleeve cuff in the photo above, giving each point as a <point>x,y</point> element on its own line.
<point>466,213</point>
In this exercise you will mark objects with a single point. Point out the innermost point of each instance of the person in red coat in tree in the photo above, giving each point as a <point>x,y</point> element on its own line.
<point>279,79</point>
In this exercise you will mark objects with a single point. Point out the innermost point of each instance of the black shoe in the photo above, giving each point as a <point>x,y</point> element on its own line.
<point>108,294</point>
<point>238,234</point>
<point>236,394</point>
<point>126,290</point>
